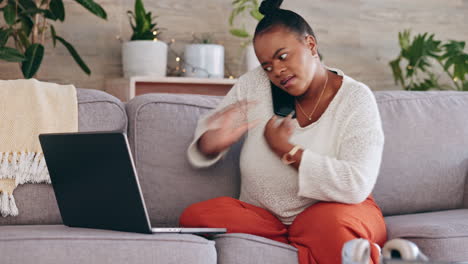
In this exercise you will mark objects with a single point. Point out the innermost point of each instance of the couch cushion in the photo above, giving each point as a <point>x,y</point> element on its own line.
<point>425,158</point>
<point>60,244</point>
<point>161,126</point>
<point>254,249</point>
<point>440,235</point>
<point>97,111</point>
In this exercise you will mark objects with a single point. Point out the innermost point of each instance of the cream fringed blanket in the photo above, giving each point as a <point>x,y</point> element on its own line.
<point>28,108</point>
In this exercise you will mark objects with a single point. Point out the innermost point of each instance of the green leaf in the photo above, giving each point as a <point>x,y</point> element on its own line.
<point>26,25</point>
<point>33,11</point>
<point>404,39</point>
<point>256,14</point>
<point>9,13</point>
<point>10,54</point>
<point>93,8</point>
<point>56,7</point>
<point>397,73</point>
<point>4,35</point>
<point>24,39</point>
<point>131,17</point>
<point>48,14</point>
<point>75,55</point>
<point>455,56</point>
<point>235,12</point>
<point>27,4</point>
<point>465,86</point>
<point>427,84</point>
<point>241,33</point>
<point>54,35</point>
<point>139,15</point>
<point>34,55</point>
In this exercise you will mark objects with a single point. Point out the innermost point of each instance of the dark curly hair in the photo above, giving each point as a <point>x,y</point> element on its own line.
<point>275,16</point>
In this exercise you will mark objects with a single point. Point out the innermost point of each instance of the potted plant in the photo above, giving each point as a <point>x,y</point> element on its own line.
<point>144,54</point>
<point>203,58</point>
<point>27,23</point>
<point>423,57</point>
<point>240,7</point>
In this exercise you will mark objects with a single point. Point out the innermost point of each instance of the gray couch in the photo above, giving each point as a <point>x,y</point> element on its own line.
<point>421,189</point>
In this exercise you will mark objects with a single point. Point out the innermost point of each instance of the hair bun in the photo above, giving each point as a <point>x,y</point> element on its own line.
<point>268,7</point>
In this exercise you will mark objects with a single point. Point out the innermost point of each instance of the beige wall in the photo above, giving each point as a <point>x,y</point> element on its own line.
<point>357,36</point>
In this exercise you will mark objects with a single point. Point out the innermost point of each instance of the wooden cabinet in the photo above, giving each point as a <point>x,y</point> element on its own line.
<point>126,89</point>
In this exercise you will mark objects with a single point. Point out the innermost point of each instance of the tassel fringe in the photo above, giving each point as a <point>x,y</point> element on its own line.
<point>24,167</point>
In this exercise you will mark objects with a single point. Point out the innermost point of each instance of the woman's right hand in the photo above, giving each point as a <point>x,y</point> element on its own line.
<point>226,127</point>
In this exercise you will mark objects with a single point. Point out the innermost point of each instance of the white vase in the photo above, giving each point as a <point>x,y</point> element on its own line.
<point>204,61</point>
<point>144,58</point>
<point>251,60</point>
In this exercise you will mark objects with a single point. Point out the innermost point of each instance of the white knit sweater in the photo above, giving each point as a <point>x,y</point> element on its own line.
<point>342,150</point>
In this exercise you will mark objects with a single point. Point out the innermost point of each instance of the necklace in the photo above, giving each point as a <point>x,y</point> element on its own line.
<point>316,105</point>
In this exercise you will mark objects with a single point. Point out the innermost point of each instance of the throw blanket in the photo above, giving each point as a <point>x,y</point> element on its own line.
<point>27,109</point>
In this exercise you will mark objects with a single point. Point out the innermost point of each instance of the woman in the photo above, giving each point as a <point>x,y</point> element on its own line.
<point>307,180</point>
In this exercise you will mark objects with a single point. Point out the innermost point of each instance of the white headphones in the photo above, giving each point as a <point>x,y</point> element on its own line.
<point>402,249</point>
<point>356,251</point>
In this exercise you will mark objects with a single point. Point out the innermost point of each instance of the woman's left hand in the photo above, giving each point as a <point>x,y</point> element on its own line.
<point>277,135</point>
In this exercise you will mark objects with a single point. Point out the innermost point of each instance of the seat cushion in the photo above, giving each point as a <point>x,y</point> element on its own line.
<point>60,244</point>
<point>97,111</point>
<point>237,248</point>
<point>441,235</point>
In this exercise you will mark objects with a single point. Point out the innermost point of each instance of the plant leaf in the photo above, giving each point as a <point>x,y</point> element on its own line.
<point>26,25</point>
<point>11,54</point>
<point>56,7</point>
<point>24,39</point>
<point>93,8</point>
<point>75,55</point>
<point>4,35</point>
<point>32,11</point>
<point>9,13</point>
<point>256,14</point>
<point>139,15</point>
<point>404,39</point>
<point>455,56</point>
<point>397,73</point>
<point>130,17</point>
<point>54,35</point>
<point>34,55</point>
<point>27,4</point>
<point>427,84</point>
<point>235,12</point>
<point>241,33</point>
<point>465,86</point>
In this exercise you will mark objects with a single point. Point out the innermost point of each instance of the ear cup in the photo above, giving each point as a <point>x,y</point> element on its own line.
<point>356,251</point>
<point>402,249</point>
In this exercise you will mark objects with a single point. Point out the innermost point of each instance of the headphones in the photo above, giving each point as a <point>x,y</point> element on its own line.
<point>356,251</point>
<point>402,249</point>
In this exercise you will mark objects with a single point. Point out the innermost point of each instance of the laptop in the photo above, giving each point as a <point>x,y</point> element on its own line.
<point>96,184</point>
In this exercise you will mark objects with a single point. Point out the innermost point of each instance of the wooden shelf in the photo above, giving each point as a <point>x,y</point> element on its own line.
<point>127,88</point>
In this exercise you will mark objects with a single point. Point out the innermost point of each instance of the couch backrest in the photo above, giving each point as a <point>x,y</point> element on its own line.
<point>425,158</point>
<point>424,165</point>
<point>97,111</point>
<point>161,126</point>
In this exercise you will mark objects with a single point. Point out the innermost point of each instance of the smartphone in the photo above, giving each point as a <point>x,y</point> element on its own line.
<point>283,103</point>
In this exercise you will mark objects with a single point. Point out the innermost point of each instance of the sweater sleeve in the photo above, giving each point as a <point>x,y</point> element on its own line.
<point>196,158</point>
<point>351,175</point>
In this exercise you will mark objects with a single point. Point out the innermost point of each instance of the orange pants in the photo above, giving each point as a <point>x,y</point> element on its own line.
<point>318,233</point>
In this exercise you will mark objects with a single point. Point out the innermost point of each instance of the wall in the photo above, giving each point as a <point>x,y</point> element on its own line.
<point>357,36</point>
